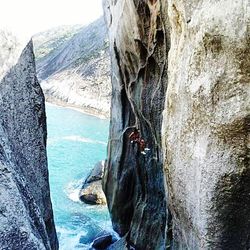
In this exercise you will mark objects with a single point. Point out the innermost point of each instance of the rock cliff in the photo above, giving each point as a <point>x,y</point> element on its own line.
<point>26,216</point>
<point>73,66</point>
<point>133,182</point>
<point>191,190</point>
<point>207,123</point>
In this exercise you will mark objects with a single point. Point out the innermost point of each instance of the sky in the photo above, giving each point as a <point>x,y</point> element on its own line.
<point>27,17</point>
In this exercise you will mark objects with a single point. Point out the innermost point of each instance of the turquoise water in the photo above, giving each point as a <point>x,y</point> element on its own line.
<point>76,142</point>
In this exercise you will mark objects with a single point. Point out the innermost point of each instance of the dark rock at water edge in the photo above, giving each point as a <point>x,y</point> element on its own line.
<point>93,233</point>
<point>102,242</point>
<point>121,244</point>
<point>91,192</point>
<point>26,216</point>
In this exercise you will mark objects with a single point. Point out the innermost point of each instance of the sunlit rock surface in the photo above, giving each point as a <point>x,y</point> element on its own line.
<point>73,66</point>
<point>204,82</point>
<point>26,216</point>
<point>207,123</point>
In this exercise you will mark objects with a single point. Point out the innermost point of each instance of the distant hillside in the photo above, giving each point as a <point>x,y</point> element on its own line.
<point>48,41</point>
<point>73,66</point>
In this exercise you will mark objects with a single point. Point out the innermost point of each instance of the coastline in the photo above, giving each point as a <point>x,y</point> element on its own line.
<point>83,110</point>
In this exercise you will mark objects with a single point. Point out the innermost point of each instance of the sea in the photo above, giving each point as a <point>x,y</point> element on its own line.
<point>76,142</point>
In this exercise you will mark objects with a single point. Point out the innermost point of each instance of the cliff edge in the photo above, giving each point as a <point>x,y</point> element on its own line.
<point>26,215</point>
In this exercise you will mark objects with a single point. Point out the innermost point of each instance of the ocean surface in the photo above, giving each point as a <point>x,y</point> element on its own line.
<point>76,142</point>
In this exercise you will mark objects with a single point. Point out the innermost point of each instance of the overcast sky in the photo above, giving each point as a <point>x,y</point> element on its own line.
<point>27,17</point>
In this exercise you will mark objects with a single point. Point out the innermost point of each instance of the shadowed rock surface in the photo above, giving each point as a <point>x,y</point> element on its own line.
<point>121,244</point>
<point>74,67</point>
<point>102,242</point>
<point>205,130</point>
<point>26,216</point>
<point>133,182</point>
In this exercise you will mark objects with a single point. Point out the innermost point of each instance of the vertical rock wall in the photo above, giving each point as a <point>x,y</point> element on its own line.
<point>205,131</point>
<point>134,183</point>
<point>26,216</point>
<point>207,122</point>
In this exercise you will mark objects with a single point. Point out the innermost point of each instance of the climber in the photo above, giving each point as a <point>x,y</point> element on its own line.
<point>136,139</point>
<point>142,146</point>
<point>134,136</point>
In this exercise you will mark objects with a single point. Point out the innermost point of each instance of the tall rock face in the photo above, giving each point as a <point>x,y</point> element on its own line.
<point>207,122</point>
<point>73,66</point>
<point>204,81</point>
<point>133,182</point>
<point>26,216</point>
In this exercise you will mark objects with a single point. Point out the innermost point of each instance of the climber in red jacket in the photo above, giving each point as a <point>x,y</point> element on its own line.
<point>134,136</point>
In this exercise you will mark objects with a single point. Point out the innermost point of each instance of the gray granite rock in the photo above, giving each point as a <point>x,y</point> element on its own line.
<point>91,191</point>
<point>204,136</point>
<point>26,216</point>
<point>207,123</point>
<point>133,182</point>
<point>96,173</point>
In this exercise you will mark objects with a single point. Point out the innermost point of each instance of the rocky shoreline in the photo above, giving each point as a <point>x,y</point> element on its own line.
<point>81,109</point>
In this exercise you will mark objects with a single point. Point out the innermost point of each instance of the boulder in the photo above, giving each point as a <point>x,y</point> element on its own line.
<point>120,244</point>
<point>102,242</point>
<point>92,234</point>
<point>91,191</point>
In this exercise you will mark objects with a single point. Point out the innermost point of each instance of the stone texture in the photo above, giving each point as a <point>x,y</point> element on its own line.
<point>74,67</point>
<point>96,173</point>
<point>102,242</point>
<point>121,244</point>
<point>207,122</point>
<point>91,191</point>
<point>134,183</point>
<point>26,216</point>
<point>205,130</point>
